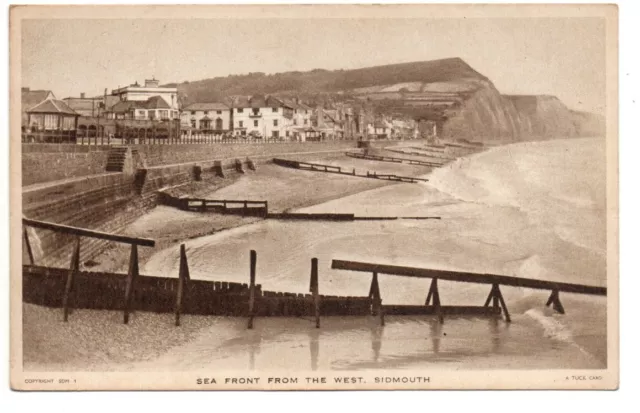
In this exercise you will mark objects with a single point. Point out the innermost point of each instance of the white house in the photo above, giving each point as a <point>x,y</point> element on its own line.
<point>210,117</point>
<point>302,120</point>
<point>151,88</point>
<point>261,117</point>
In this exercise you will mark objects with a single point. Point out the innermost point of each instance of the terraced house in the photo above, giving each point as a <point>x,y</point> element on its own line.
<point>206,118</point>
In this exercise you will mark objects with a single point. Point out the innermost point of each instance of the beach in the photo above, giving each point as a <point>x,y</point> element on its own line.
<point>528,209</point>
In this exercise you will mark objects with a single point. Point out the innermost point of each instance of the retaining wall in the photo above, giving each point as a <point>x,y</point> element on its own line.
<point>52,162</point>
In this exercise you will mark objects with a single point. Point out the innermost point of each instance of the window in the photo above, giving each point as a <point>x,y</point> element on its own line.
<point>68,123</point>
<point>193,123</point>
<point>206,112</point>
<point>287,134</point>
<point>240,124</point>
<point>295,122</point>
<point>256,111</point>
<point>164,114</point>
<point>305,121</point>
<point>255,123</point>
<point>275,134</point>
<point>275,110</point>
<point>240,110</point>
<point>50,122</point>
<point>219,112</point>
<point>275,122</point>
<point>193,112</point>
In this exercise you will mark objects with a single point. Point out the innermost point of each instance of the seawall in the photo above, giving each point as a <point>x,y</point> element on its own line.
<point>111,201</point>
<point>53,162</point>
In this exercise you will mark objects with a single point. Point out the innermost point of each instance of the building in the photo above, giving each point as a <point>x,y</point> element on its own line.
<point>302,120</point>
<point>91,106</point>
<point>261,117</point>
<point>51,120</point>
<point>151,89</point>
<point>327,123</point>
<point>29,99</point>
<point>209,117</point>
<point>154,108</point>
<point>379,129</point>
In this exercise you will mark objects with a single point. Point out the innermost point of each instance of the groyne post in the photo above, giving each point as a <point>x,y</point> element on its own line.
<point>28,245</point>
<point>435,295</point>
<point>376,299</point>
<point>495,295</point>
<point>74,268</point>
<point>314,289</point>
<point>555,300</point>
<point>133,273</point>
<point>252,286</point>
<point>183,277</point>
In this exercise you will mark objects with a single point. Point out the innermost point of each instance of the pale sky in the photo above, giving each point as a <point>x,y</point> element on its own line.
<point>563,57</point>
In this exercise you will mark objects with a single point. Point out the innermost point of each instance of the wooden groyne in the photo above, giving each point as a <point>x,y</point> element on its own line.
<point>336,217</point>
<point>495,295</point>
<point>392,159</point>
<point>315,167</point>
<point>72,288</point>
<point>221,206</point>
<point>440,154</point>
<point>106,291</point>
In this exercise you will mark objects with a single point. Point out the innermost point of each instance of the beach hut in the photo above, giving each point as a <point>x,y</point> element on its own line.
<point>52,121</point>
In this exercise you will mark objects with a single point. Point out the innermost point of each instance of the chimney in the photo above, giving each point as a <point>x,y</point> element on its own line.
<point>82,95</point>
<point>151,83</point>
<point>25,89</point>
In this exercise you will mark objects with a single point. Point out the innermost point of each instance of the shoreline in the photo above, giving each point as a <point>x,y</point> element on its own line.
<point>293,189</point>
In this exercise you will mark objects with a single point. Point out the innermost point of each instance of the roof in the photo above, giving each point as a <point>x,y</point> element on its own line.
<point>53,106</point>
<point>207,106</point>
<point>156,102</point>
<point>296,105</point>
<point>84,104</point>
<point>257,101</point>
<point>127,105</point>
<point>31,98</point>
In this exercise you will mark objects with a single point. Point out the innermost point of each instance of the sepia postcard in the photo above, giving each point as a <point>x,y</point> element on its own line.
<point>314,197</point>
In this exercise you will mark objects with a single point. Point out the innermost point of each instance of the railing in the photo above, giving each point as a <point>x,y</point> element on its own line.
<point>49,137</point>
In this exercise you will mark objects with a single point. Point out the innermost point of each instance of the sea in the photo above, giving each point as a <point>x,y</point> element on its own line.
<point>532,209</point>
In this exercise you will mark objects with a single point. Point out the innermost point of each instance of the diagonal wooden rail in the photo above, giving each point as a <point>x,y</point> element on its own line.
<point>495,280</point>
<point>84,232</point>
<point>468,277</point>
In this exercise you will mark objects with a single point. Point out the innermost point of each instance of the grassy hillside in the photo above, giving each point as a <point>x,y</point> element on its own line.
<point>325,81</point>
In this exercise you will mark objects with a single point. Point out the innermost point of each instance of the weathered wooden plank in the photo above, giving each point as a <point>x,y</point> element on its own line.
<point>134,272</point>
<point>28,245</point>
<point>315,290</point>
<point>252,286</point>
<point>468,277</point>
<point>74,269</point>
<point>83,232</point>
<point>183,276</point>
